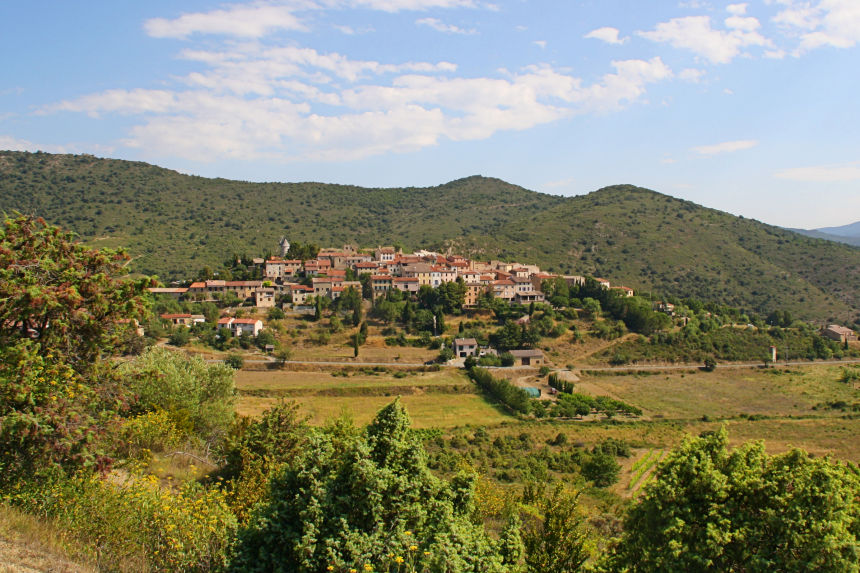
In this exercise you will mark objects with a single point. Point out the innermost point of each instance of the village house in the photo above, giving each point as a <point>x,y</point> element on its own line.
<point>279,269</point>
<point>528,297</point>
<point>421,271</point>
<point>337,259</point>
<point>473,292</point>
<point>365,267</point>
<point>626,291</point>
<point>264,297</point>
<point>531,357</point>
<point>406,284</point>
<point>470,277</point>
<point>299,294</point>
<point>503,289</point>
<point>538,279</point>
<point>358,258</point>
<point>464,347</point>
<point>522,284</point>
<point>839,333</point>
<point>440,274</point>
<point>380,284</point>
<point>240,326</point>
<point>665,307</point>
<point>385,254</point>
<point>186,320</point>
<point>176,293</point>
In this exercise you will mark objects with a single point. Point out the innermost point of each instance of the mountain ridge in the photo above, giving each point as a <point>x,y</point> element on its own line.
<point>174,224</point>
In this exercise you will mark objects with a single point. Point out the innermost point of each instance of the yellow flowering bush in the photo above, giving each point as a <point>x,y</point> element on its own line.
<point>191,529</point>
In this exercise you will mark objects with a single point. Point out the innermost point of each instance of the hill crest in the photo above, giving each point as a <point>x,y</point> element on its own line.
<point>175,224</point>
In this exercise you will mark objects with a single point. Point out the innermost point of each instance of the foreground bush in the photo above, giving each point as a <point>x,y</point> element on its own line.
<point>137,524</point>
<point>366,501</point>
<point>713,510</point>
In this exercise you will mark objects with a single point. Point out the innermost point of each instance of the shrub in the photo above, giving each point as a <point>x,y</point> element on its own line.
<point>197,396</point>
<point>512,396</point>
<point>366,501</point>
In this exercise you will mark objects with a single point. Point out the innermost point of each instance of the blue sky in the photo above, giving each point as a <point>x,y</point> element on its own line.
<point>751,108</point>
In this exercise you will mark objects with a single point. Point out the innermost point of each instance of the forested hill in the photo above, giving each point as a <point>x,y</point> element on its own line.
<point>174,224</point>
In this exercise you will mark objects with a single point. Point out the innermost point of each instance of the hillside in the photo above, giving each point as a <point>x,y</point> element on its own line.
<point>174,224</point>
<point>830,236</point>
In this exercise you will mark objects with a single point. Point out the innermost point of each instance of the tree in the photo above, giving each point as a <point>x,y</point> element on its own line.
<point>282,355</point>
<point>234,361</point>
<point>601,468</point>
<point>61,309</point>
<point>67,297</point>
<point>744,510</point>
<point>352,498</point>
<point>556,542</point>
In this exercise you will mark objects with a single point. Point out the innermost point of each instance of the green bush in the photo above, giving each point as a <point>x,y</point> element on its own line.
<point>366,501</point>
<point>197,396</point>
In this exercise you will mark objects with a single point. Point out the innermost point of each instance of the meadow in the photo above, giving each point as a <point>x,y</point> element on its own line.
<point>801,406</point>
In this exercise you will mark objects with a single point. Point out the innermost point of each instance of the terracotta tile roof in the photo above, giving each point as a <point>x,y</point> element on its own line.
<point>169,316</point>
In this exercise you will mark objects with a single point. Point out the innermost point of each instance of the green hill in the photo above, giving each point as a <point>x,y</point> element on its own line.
<point>174,224</point>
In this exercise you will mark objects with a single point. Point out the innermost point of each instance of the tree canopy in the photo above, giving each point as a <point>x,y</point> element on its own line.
<point>711,509</point>
<point>62,307</point>
<point>355,499</point>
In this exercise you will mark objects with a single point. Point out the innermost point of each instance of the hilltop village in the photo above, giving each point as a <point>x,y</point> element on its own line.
<point>301,286</point>
<point>328,275</point>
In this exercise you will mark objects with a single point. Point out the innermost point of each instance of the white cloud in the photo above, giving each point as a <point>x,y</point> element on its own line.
<point>833,23</point>
<point>736,9</point>
<point>10,143</point>
<point>413,5</point>
<point>822,173</point>
<point>691,75</point>
<point>540,44</point>
<point>606,34</point>
<point>695,33</point>
<point>440,26</point>
<point>726,147</point>
<point>261,18</point>
<point>251,21</point>
<point>248,98</point>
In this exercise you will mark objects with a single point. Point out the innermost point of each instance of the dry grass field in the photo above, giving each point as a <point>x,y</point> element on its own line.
<point>797,391</point>
<point>426,410</point>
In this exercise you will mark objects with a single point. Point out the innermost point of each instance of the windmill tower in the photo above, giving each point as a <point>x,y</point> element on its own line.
<point>285,246</point>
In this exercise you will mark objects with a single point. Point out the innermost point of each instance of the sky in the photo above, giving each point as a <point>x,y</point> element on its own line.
<point>751,108</point>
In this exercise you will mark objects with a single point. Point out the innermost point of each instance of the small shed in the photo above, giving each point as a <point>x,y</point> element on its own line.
<point>530,357</point>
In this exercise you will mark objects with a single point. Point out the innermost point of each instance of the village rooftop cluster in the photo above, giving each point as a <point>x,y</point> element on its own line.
<point>388,268</point>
